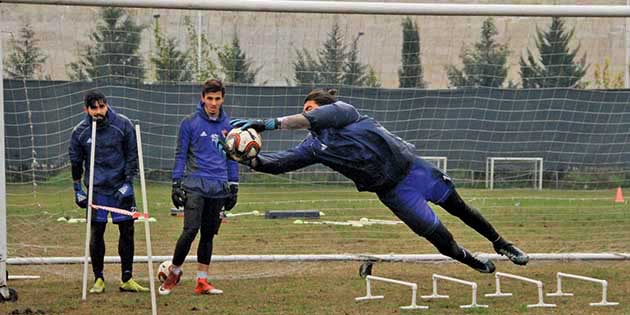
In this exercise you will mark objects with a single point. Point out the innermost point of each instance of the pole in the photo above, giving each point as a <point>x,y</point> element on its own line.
<point>3,189</point>
<point>147,229</point>
<point>199,45</point>
<point>626,70</point>
<point>88,223</point>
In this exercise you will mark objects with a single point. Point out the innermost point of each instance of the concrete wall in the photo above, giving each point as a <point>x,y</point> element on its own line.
<point>271,38</point>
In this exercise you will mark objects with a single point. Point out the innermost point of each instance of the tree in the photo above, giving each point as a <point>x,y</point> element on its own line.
<point>353,70</point>
<point>605,78</point>
<point>334,64</point>
<point>305,68</point>
<point>113,56</point>
<point>26,59</point>
<point>204,67</point>
<point>410,73</point>
<point>236,66</point>
<point>485,64</point>
<point>557,65</point>
<point>332,57</point>
<point>171,65</point>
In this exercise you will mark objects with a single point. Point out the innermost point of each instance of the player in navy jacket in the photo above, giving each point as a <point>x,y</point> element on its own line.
<point>204,183</point>
<point>115,165</point>
<point>376,160</point>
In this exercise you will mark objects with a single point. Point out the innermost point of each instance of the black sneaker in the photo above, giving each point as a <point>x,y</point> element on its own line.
<point>513,253</point>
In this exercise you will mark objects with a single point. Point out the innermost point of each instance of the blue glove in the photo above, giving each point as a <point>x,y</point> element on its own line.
<point>80,197</point>
<point>124,192</point>
<point>257,124</point>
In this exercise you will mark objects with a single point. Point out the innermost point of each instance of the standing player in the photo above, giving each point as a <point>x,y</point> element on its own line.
<point>115,165</point>
<point>376,160</point>
<point>209,184</point>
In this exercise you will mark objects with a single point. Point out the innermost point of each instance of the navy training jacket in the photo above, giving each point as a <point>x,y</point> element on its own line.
<point>199,163</point>
<point>116,156</point>
<point>356,146</point>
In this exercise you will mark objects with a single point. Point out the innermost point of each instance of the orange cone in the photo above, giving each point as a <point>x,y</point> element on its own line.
<point>619,195</point>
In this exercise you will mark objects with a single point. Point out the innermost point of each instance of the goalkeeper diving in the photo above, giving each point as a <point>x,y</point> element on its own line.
<point>376,160</point>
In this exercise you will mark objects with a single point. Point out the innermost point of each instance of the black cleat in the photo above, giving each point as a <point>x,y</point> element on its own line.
<point>513,253</point>
<point>484,266</point>
<point>365,269</point>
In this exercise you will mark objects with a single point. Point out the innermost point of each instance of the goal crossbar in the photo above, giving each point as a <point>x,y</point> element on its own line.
<point>348,7</point>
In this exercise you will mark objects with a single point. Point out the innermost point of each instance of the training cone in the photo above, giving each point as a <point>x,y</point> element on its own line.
<point>619,196</point>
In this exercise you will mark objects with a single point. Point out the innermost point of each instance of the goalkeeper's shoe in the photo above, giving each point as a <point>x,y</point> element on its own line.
<point>486,266</point>
<point>171,281</point>
<point>513,253</point>
<point>132,286</point>
<point>205,287</point>
<point>99,286</point>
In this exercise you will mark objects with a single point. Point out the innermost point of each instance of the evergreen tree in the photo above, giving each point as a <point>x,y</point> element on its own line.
<point>332,58</point>
<point>305,68</point>
<point>113,57</point>
<point>171,64</point>
<point>204,67</point>
<point>605,78</point>
<point>353,70</point>
<point>557,65</point>
<point>371,79</point>
<point>485,64</point>
<point>236,65</point>
<point>410,73</point>
<point>26,59</point>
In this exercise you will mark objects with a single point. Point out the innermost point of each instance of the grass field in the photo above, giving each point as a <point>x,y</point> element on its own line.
<point>548,221</point>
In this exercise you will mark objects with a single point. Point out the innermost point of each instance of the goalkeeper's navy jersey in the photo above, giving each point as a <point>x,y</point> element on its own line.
<point>198,159</point>
<point>116,156</point>
<point>356,146</point>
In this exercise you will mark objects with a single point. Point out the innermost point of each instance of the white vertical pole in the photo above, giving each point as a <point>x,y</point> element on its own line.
<point>3,188</point>
<point>199,45</point>
<point>540,176</point>
<point>627,61</point>
<point>491,174</point>
<point>147,229</point>
<point>88,223</point>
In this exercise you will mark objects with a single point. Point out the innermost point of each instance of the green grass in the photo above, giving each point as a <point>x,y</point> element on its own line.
<point>538,221</point>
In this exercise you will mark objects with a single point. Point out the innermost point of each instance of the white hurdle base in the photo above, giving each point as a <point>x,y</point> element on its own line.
<point>604,284</point>
<point>435,295</point>
<point>369,296</point>
<point>539,284</point>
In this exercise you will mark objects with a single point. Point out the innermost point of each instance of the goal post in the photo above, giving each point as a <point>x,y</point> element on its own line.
<point>475,128</point>
<point>440,162</point>
<point>537,170</point>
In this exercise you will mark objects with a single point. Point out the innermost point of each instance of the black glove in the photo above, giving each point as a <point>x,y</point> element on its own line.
<point>230,201</point>
<point>178,195</point>
<point>124,192</point>
<point>80,197</point>
<point>257,124</point>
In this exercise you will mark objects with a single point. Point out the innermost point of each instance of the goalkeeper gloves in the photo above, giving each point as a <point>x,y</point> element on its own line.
<point>124,192</point>
<point>257,124</point>
<point>80,197</point>
<point>230,201</point>
<point>178,194</point>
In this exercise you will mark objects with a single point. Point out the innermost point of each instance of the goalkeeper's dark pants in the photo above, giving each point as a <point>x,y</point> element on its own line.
<point>125,248</point>
<point>200,213</point>
<point>454,205</point>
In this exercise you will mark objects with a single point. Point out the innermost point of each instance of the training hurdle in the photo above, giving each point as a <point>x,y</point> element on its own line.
<point>369,296</point>
<point>539,284</point>
<point>604,284</point>
<point>435,294</point>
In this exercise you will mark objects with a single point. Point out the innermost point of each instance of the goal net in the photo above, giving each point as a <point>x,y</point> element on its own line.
<point>461,88</point>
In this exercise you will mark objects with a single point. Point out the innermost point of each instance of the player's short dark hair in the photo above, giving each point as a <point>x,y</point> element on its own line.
<point>213,85</point>
<point>322,96</point>
<point>94,96</point>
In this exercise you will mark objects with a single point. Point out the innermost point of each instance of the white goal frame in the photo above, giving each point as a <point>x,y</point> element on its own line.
<point>538,169</point>
<point>440,161</point>
<point>339,7</point>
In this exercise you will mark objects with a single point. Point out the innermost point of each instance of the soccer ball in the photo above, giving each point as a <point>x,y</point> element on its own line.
<point>163,271</point>
<point>243,144</point>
